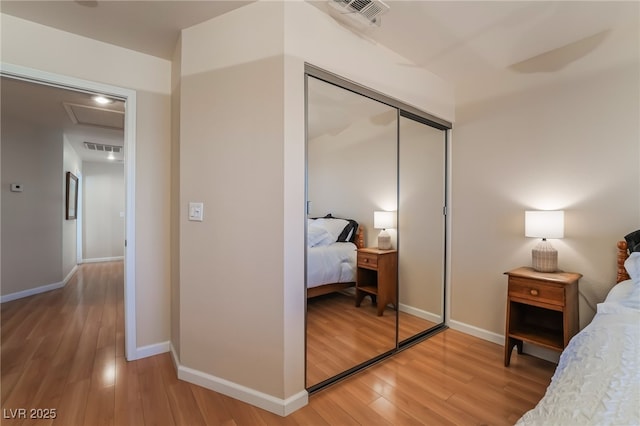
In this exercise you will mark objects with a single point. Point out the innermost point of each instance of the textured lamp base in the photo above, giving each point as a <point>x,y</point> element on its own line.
<point>544,257</point>
<point>384,240</point>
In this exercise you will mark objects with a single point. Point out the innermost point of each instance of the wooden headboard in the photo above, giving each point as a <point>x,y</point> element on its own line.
<point>623,253</point>
<point>359,241</point>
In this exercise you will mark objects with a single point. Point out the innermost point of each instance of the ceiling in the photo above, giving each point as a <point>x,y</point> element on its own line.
<point>146,26</point>
<point>75,114</point>
<point>461,41</point>
<point>481,47</point>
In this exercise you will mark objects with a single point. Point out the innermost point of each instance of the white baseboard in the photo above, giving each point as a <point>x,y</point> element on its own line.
<point>40,289</point>
<point>151,350</point>
<point>103,259</point>
<point>477,332</point>
<point>420,313</point>
<point>281,407</point>
<point>538,352</point>
<point>174,357</point>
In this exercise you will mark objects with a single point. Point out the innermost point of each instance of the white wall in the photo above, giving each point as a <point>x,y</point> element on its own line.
<point>43,48</point>
<point>32,219</point>
<point>103,211</point>
<point>571,145</point>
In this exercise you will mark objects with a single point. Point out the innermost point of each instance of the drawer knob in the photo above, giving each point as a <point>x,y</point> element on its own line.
<point>533,292</point>
<point>366,260</point>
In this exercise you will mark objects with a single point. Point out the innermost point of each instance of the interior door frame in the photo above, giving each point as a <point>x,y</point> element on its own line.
<point>129,97</point>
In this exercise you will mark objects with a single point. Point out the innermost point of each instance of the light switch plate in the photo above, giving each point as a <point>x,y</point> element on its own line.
<point>196,211</point>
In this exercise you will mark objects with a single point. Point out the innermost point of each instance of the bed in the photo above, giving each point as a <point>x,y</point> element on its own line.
<point>597,380</point>
<point>331,254</point>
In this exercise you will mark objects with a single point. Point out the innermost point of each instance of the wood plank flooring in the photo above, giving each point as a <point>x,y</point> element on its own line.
<point>64,351</point>
<point>341,335</point>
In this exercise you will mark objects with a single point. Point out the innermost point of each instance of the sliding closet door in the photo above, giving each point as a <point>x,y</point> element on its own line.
<point>351,172</point>
<point>367,152</point>
<point>421,227</point>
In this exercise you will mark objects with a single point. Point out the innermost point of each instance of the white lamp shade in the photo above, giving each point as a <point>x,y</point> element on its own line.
<point>384,220</point>
<point>544,224</point>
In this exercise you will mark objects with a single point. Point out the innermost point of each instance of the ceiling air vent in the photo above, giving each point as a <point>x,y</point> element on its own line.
<point>102,148</point>
<point>366,10</point>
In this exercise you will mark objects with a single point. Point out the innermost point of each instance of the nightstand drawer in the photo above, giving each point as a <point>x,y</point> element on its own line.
<point>532,290</point>
<point>367,260</point>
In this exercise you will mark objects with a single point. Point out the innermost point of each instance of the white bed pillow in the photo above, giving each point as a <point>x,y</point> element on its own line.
<point>620,291</point>
<point>625,293</point>
<point>632,265</point>
<point>633,301</point>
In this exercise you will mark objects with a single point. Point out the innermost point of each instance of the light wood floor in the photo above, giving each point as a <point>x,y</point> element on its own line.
<point>341,335</point>
<point>63,350</point>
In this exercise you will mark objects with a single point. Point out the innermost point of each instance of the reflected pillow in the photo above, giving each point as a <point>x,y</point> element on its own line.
<point>333,227</point>
<point>317,236</point>
<point>348,234</point>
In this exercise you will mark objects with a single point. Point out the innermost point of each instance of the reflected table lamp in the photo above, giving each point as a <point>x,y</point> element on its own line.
<point>544,224</point>
<point>384,220</point>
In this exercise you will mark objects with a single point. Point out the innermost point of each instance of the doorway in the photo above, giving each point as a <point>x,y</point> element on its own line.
<point>128,96</point>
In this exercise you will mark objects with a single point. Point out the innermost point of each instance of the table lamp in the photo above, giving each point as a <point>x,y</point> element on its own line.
<point>544,224</point>
<point>384,220</point>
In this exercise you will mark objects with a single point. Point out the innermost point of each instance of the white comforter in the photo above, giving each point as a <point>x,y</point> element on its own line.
<point>597,381</point>
<point>335,263</point>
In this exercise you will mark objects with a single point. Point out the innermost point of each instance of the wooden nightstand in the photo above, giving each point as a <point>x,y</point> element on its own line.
<point>542,308</point>
<point>377,276</point>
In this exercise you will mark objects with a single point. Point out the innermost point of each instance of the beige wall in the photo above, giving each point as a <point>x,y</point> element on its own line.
<point>31,220</point>
<point>103,200</point>
<point>571,145</point>
<point>153,181</point>
<point>231,159</point>
<point>73,164</point>
<point>353,173</point>
<point>242,154</point>
<point>35,46</point>
<point>176,79</point>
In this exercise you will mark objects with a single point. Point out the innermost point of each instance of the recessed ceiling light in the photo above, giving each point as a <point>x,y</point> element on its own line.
<point>101,100</point>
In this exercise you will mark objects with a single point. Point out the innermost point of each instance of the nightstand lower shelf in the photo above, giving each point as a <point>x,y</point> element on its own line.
<point>362,291</point>
<point>547,338</point>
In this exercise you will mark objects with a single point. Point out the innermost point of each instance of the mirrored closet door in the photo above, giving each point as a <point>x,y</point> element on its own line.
<point>421,226</point>
<point>351,172</point>
<point>368,153</point>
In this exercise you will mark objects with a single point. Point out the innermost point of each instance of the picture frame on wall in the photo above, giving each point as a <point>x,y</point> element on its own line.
<point>71,205</point>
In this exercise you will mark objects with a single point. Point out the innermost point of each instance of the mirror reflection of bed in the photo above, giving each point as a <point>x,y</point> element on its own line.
<point>356,165</point>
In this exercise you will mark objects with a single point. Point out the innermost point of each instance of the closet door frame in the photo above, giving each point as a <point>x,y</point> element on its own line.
<point>413,113</point>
